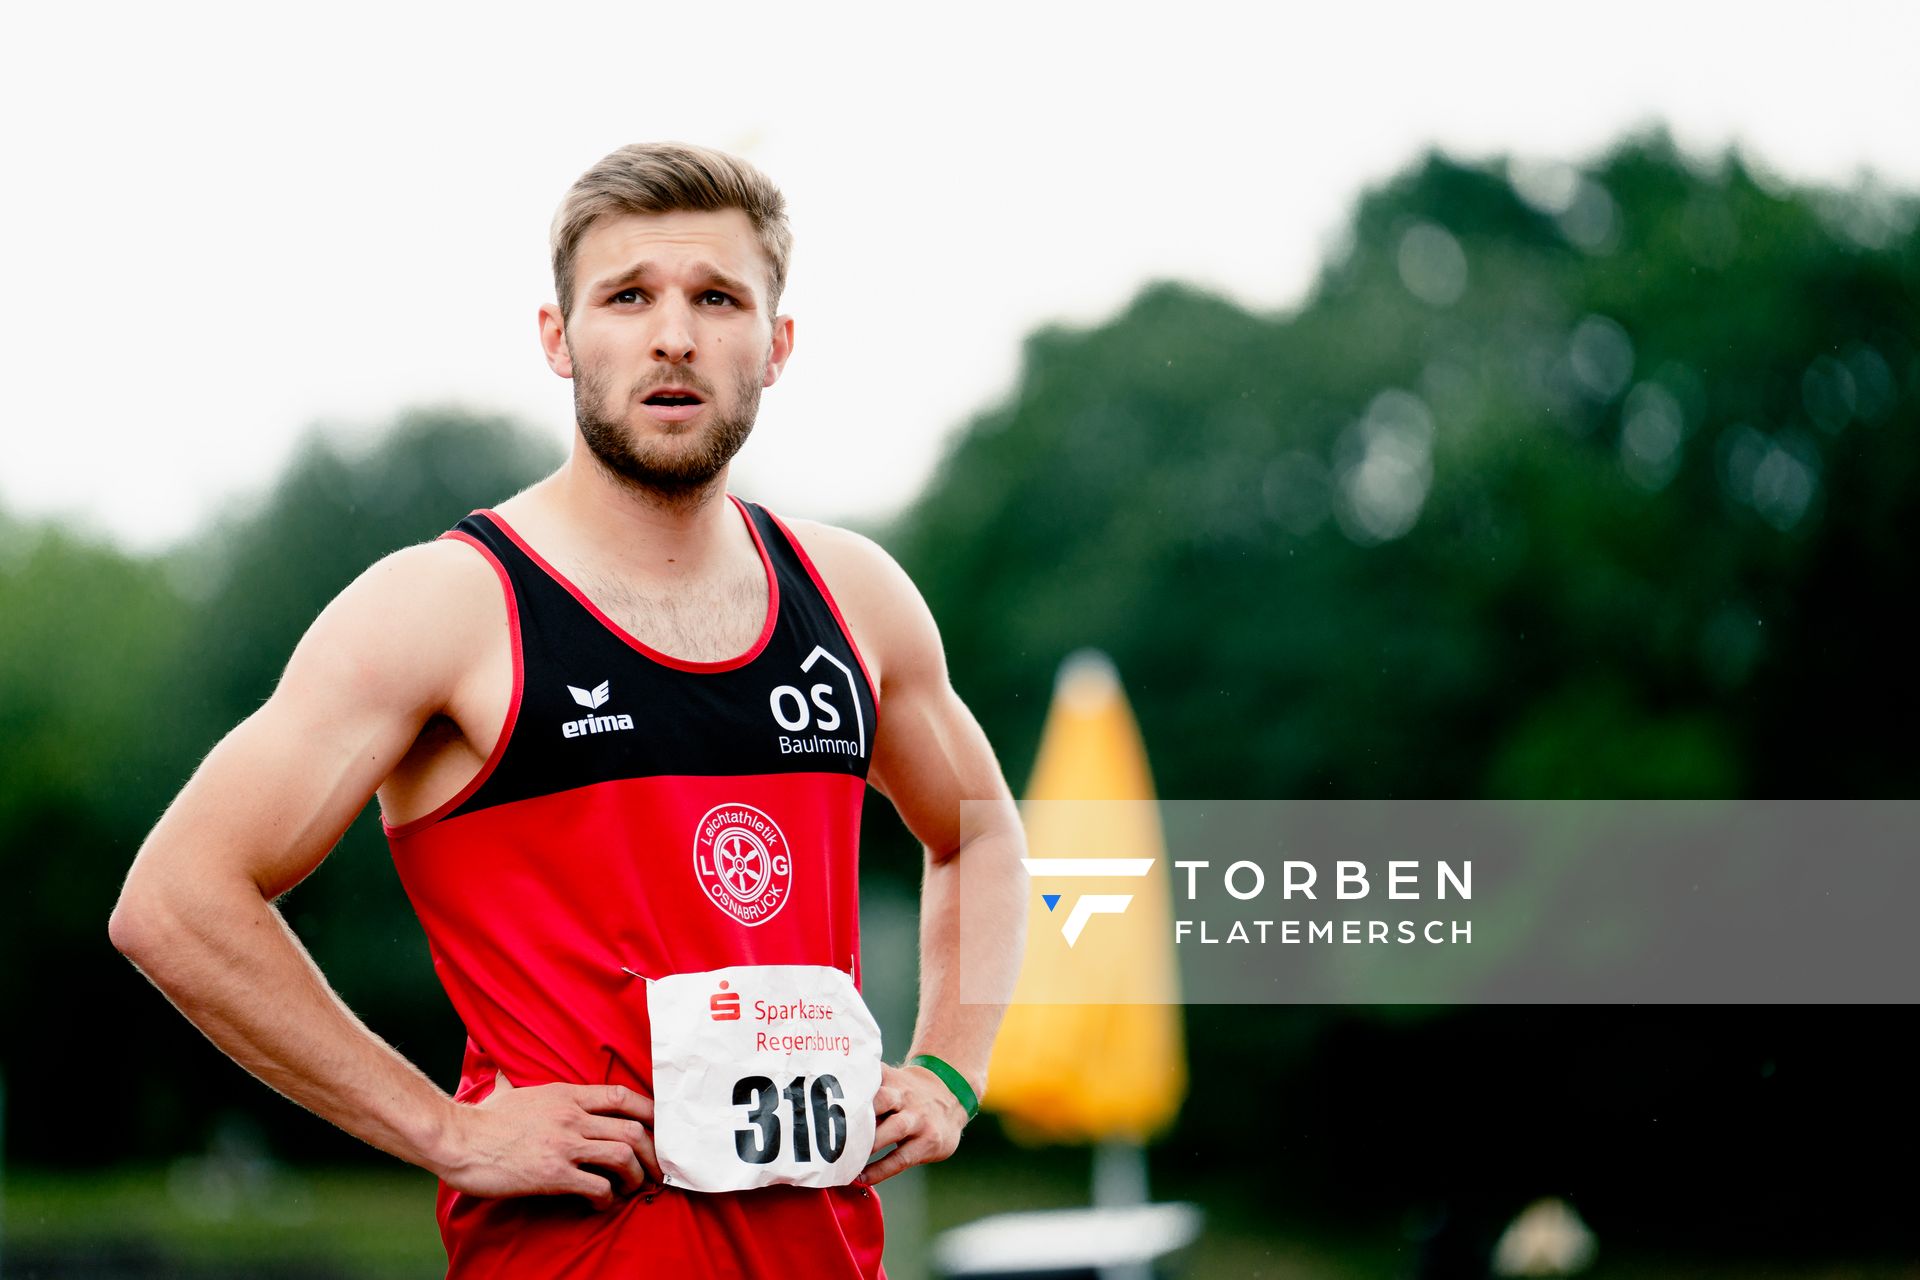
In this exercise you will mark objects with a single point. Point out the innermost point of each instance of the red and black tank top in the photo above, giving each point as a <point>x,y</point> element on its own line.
<point>642,815</point>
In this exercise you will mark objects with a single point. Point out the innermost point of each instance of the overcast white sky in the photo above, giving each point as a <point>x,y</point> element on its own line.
<point>226,224</point>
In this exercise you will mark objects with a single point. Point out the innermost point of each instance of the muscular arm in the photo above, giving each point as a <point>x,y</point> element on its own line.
<point>265,807</point>
<point>929,757</point>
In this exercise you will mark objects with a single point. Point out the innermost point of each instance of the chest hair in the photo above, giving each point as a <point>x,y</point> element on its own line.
<point>698,622</point>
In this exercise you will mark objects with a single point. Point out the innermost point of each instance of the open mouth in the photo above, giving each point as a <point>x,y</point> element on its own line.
<point>673,399</point>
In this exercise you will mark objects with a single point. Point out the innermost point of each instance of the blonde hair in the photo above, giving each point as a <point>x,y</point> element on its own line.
<point>668,177</point>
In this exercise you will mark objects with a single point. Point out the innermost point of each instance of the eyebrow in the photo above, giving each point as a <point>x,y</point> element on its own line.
<point>639,271</point>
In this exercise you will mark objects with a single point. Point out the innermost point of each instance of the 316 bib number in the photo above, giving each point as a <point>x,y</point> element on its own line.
<point>760,1142</point>
<point>763,1075</point>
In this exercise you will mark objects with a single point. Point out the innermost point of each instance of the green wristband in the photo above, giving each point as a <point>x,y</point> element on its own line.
<point>962,1091</point>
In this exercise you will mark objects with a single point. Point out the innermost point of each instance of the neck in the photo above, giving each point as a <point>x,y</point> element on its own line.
<point>645,529</point>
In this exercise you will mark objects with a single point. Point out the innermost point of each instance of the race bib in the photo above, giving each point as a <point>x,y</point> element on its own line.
<point>762,1074</point>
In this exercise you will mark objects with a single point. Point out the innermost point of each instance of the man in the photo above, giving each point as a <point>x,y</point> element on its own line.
<point>619,729</point>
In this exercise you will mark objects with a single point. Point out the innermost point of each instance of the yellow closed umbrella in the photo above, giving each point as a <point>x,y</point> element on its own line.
<point>1109,1064</point>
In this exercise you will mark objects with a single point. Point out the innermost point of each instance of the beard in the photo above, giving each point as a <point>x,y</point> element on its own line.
<point>680,468</point>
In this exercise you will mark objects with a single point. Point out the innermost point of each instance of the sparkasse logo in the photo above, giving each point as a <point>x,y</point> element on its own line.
<point>1087,905</point>
<point>593,699</point>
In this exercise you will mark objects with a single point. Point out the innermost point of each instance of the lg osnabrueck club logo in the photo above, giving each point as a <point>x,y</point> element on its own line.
<point>743,863</point>
<point>1087,905</point>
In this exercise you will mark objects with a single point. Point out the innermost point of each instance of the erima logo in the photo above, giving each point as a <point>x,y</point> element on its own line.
<point>593,699</point>
<point>1087,905</point>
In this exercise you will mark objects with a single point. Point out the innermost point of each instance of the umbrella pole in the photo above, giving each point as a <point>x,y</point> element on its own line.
<point>1119,1174</point>
<point>1120,1182</point>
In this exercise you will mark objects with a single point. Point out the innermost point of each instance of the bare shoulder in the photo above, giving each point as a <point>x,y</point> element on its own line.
<point>851,563</point>
<point>409,626</point>
<point>428,580</point>
<point>889,619</point>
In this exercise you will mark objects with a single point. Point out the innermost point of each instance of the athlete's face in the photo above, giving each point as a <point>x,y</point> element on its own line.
<point>669,344</point>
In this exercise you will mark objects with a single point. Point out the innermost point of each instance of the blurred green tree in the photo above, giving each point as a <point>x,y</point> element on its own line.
<point>117,673</point>
<point>1560,483</point>
<point>88,637</point>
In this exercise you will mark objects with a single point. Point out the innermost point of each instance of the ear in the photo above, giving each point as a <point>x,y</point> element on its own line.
<point>553,340</point>
<point>781,349</point>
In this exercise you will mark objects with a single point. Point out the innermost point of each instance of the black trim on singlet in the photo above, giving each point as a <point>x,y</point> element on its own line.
<point>706,719</point>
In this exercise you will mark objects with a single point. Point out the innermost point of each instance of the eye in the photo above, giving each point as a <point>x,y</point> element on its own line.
<point>626,295</point>
<point>715,293</point>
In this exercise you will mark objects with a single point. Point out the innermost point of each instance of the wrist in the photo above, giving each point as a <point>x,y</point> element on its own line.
<point>440,1138</point>
<point>962,1090</point>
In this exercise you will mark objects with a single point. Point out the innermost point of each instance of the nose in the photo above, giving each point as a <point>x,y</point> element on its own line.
<point>673,339</point>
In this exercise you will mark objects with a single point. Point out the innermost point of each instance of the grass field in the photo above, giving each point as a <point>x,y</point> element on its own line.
<point>379,1224</point>
<point>374,1224</point>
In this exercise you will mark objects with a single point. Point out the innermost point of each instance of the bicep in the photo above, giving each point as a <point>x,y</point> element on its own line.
<point>930,756</point>
<point>276,794</point>
<point>931,759</point>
